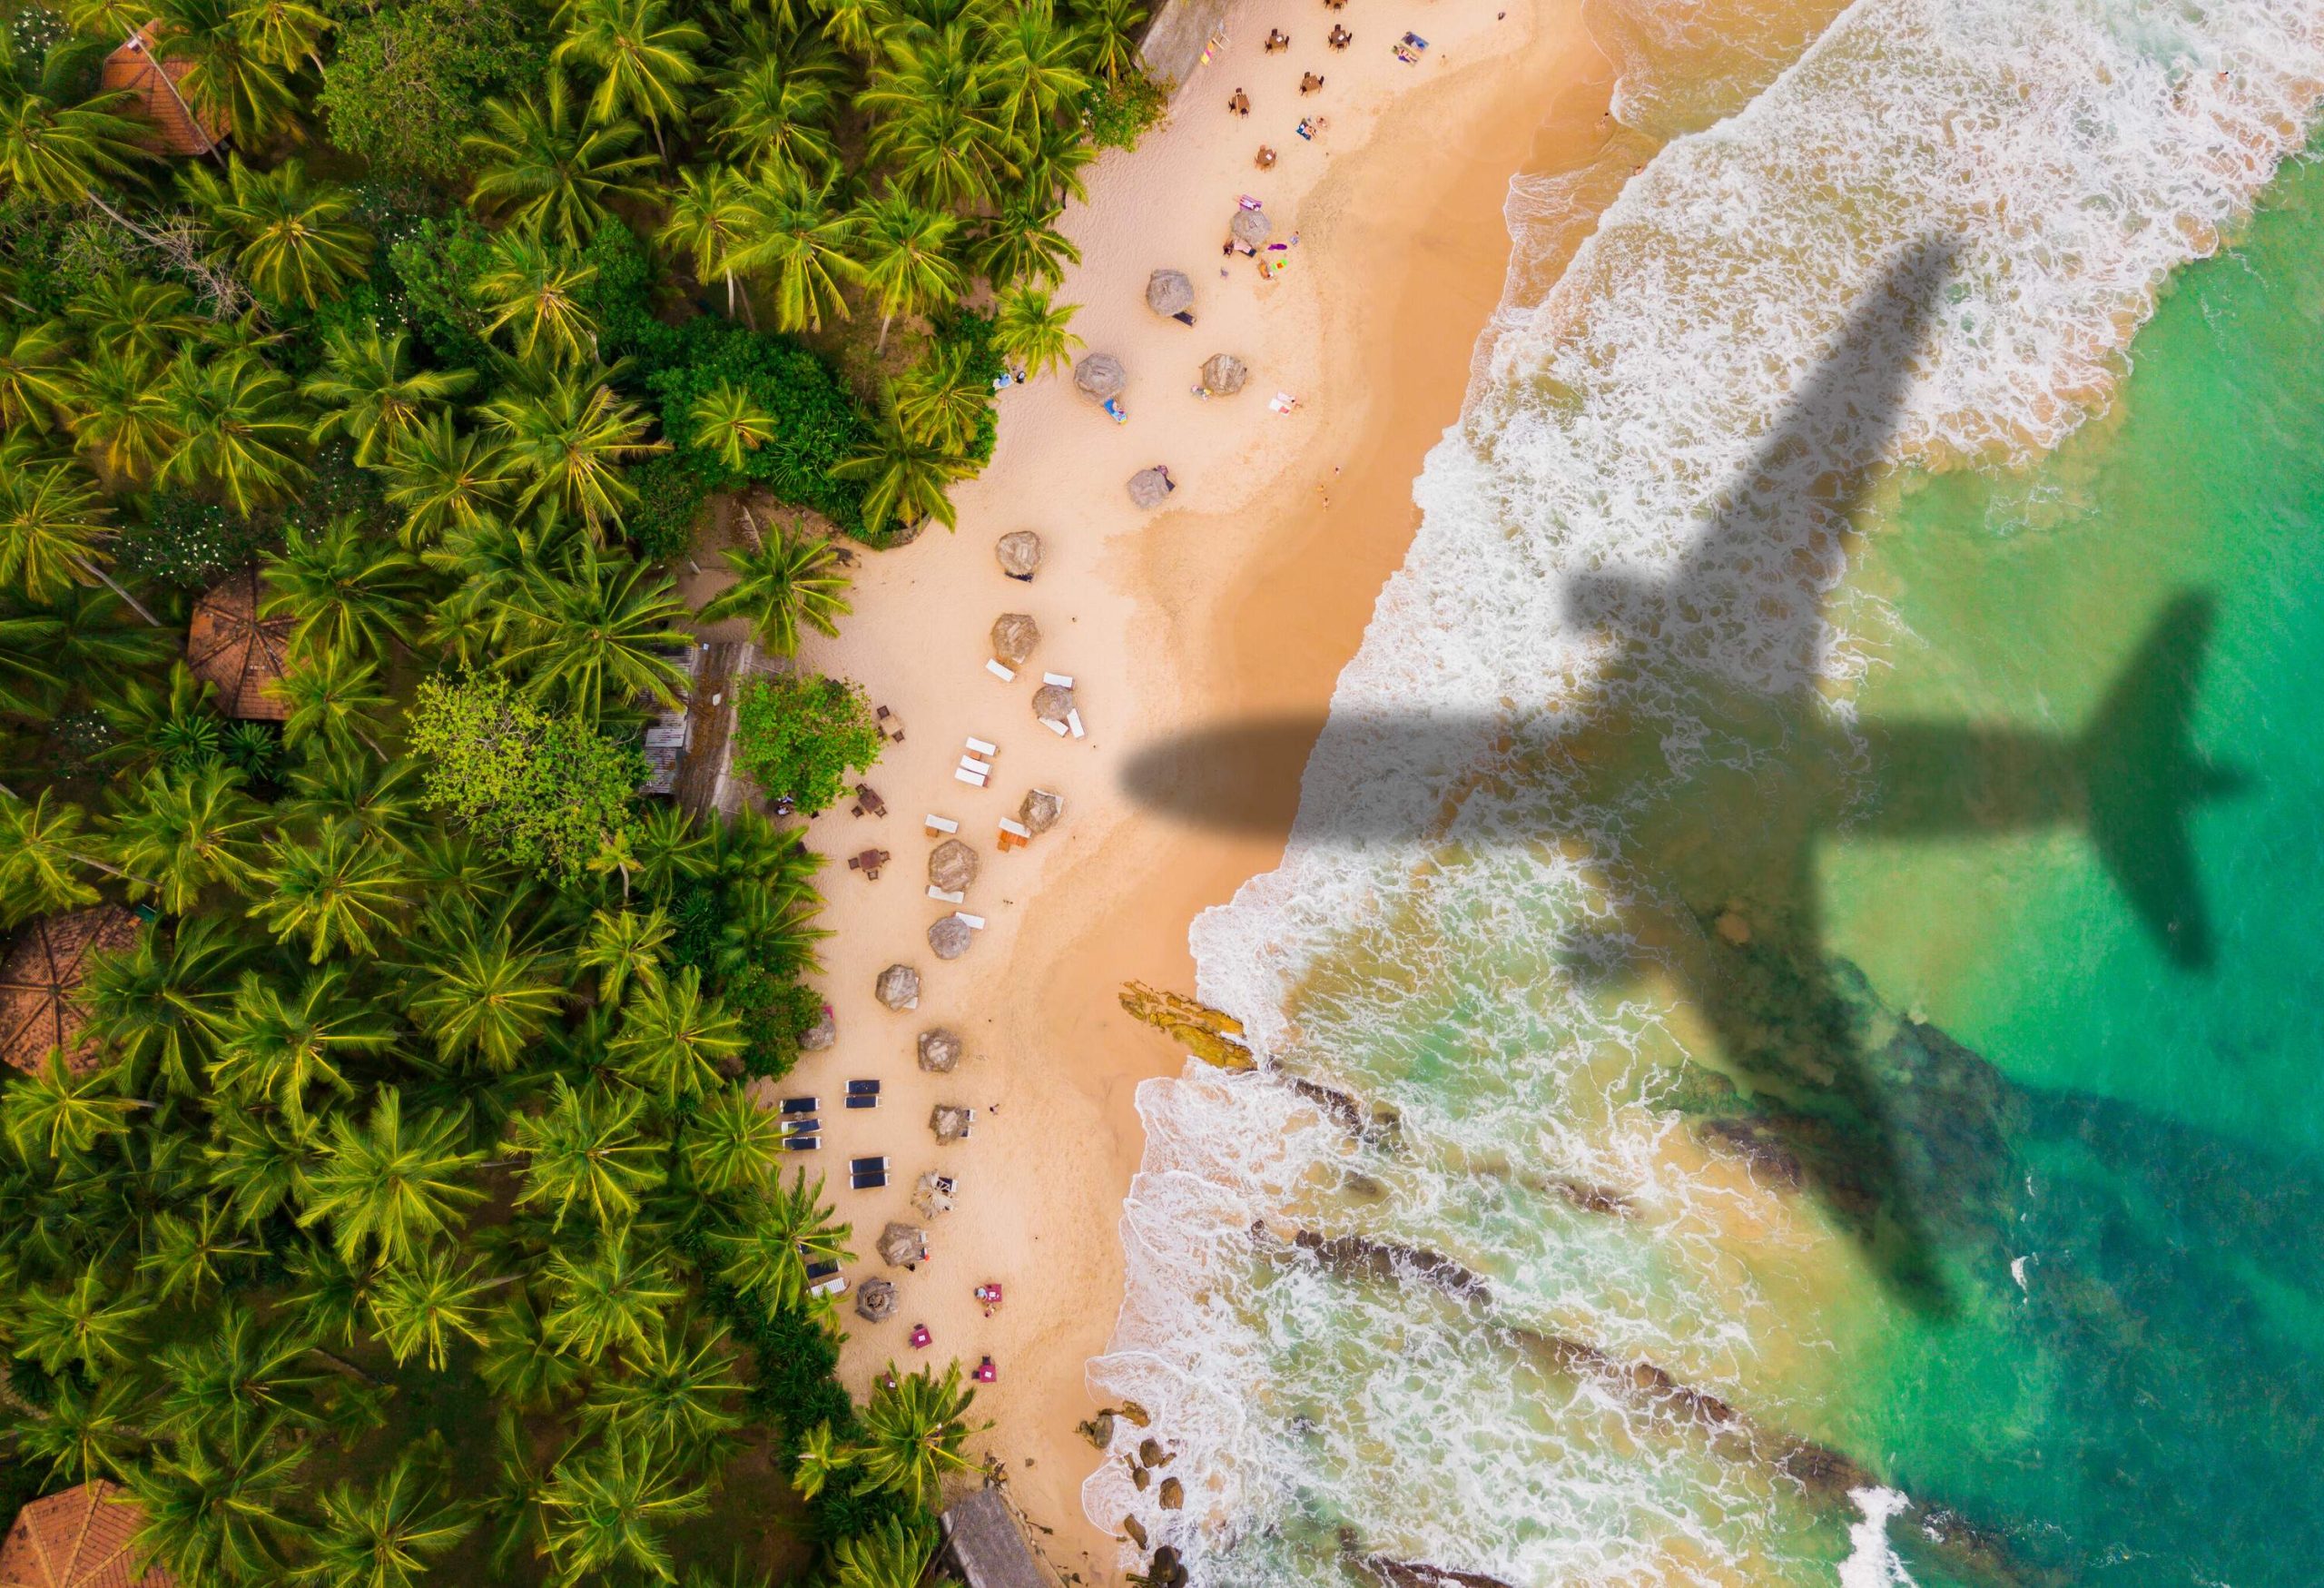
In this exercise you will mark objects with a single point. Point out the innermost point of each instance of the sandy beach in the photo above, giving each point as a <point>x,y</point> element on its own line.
<point>1247,592</point>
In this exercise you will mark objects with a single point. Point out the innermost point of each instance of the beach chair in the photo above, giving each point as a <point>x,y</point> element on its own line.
<point>868,1182</point>
<point>866,1166</point>
<point>864,1089</point>
<point>804,1125</point>
<point>1055,726</point>
<point>866,1100</point>
<point>983,747</point>
<point>834,1285</point>
<point>1014,835</point>
<point>890,723</point>
<point>941,897</point>
<point>973,779</point>
<point>821,1270</point>
<point>1073,722</point>
<point>976,923</point>
<point>803,1105</point>
<point>940,824</point>
<point>971,763</point>
<point>1000,671</point>
<point>1062,680</point>
<point>802,1144</point>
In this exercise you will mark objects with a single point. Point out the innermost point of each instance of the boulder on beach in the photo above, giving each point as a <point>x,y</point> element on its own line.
<point>1135,1529</point>
<point>1020,552</point>
<point>1039,809</point>
<point>875,1299</point>
<point>820,1035</point>
<point>1098,1430</point>
<point>1014,636</point>
<point>1223,374</point>
<point>1250,227</point>
<point>897,987</point>
<point>1147,486</point>
<point>932,1195</point>
<point>1150,1451</point>
<point>1101,375</point>
<point>901,1245</point>
<point>1052,703</point>
<point>949,1121</point>
<point>952,865</point>
<point>1169,293</point>
<point>1174,1494</point>
<point>940,1050</point>
<point>949,939</point>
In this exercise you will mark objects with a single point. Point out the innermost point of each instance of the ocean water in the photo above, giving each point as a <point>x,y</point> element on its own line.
<point>1796,936</point>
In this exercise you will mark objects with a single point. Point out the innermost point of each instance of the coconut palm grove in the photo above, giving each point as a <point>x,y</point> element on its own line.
<point>380,1199</point>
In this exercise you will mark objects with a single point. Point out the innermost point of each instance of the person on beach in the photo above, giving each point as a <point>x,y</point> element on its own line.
<point>1309,83</point>
<point>1240,104</point>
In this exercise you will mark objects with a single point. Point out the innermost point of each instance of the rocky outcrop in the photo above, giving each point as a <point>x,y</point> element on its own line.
<point>1206,1032</point>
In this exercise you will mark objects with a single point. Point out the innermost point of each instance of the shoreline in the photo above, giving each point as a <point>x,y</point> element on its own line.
<point>1248,597</point>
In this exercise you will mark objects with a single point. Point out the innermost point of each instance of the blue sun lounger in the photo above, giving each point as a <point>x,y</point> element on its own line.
<point>802,1144</point>
<point>803,1105</point>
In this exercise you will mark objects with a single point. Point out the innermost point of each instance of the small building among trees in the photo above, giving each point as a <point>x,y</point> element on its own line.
<point>984,1547</point>
<point>175,125</point>
<point>243,655</point>
<point>80,1538</point>
<point>40,972</point>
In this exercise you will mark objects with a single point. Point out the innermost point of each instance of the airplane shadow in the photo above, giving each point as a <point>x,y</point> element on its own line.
<point>1707,854</point>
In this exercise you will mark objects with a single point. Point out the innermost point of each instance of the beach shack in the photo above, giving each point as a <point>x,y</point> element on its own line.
<point>984,1548</point>
<point>242,653</point>
<point>78,1538</point>
<point>41,970</point>
<point>172,123</point>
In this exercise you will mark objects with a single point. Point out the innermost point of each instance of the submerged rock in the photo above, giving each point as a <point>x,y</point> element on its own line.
<point>1098,1430</point>
<point>1135,1529</point>
<point>1174,1494</point>
<point>1205,1031</point>
<point>1137,1415</point>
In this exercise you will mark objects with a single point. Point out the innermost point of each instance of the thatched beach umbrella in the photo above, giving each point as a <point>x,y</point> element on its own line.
<point>1040,810</point>
<point>900,1244</point>
<point>897,987</point>
<point>1147,486</point>
<point>1052,703</point>
<point>1250,227</point>
<point>1014,636</point>
<point>40,978</point>
<point>876,1300</point>
<point>245,656</point>
<point>932,1194</point>
<point>949,939</point>
<point>1101,375</point>
<point>1020,552</point>
<point>952,865</point>
<point>820,1035</point>
<point>949,1122</point>
<point>1223,374</point>
<point>1169,293</point>
<point>940,1050</point>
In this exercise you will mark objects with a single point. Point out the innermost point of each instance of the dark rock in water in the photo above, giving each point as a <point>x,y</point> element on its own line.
<point>1137,1414</point>
<point>1174,1494</point>
<point>1338,1106</point>
<point>1140,1477</point>
<point>1150,1451</point>
<point>1166,1558</point>
<point>1382,1260</point>
<point>1098,1430</point>
<point>1135,1529</point>
<point>1397,1573</point>
<point>1590,1199</point>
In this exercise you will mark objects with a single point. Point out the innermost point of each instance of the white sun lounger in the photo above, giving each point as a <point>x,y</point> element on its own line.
<point>834,1285</point>
<point>974,779</point>
<point>1054,726</point>
<point>1000,671</point>
<point>983,747</point>
<point>1062,680</point>
<point>953,897</point>
<point>943,825</point>
<point>1017,829</point>
<point>976,923</point>
<point>1073,721</point>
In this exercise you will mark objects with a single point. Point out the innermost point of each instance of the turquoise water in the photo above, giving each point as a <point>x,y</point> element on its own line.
<point>2149,1144</point>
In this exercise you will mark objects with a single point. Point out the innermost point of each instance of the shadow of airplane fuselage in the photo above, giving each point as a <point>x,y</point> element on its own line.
<point>1712,865</point>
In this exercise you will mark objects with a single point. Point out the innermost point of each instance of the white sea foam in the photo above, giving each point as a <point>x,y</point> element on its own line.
<point>2069,156</point>
<point>1871,1563</point>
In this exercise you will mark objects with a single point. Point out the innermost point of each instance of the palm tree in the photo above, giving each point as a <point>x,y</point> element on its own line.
<point>547,172</point>
<point>520,1361</point>
<point>1022,244</point>
<point>776,109</point>
<point>603,1507</point>
<point>188,1254</point>
<point>177,831</point>
<point>705,222</point>
<point>57,152</point>
<point>624,947</point>
<point>388,1184</point>
<point>539,294</point>
<point>609,1295</point>
<point>598,634</point>
<point>894,1555</point>
<point>671,850</point>
<point>1036,63</point>
<point>934,119</point>
<point>791,235</point>
<point>335,888</point>
<point>273,1049</point>
<point>369,392</point>
<point>228,77</point>
<point>53,524</point>
<point>903,251</point>
<point>643,57</point>
<point>128,316</point>
<point>36,376</point>
<point>335,700</point>
<point>1111,32</point>
<point>235,424</point>
<point>818,1461</point>
<point>672,1039</point>
<point>285,33</point>
<point>39,850</point>
<point>731,1143</point>
<point>211,1515</point>
<point>32,677</point>
<point>423,1300</point>
<point>162,1002</point>
<point>344,591</point>
<point>113,412</point>
<point>782,1232</point>
<point>728,422</point>
<point>384,803</point>
<point>484,996</point>
<point>299,243</point>
<point>676,1396</point>
<point>385,1536</point>
<point>236,1378</point>
<point>943,397</point>
<point>914,1428</point>
<point>444,480</point>
<point>904,474</point>
<point>54,1113</point>
<point>1034,334</point>
<point>89,1322</point>
<point>587,1148</point>
<point>566,441</point>
<point>87,1433</point>
<point>781,584</point>
<point>174,728</point>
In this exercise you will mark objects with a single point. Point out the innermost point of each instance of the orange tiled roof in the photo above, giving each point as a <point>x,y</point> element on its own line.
<point>157,101</point>
<point>78,1539</point>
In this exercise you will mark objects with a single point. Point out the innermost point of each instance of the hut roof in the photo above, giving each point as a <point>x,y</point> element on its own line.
<point>1101,375</point>
<point>1250,226</point>
<point>984,1547</point>
<point>1223,374</point>
<point>1020,552</point>
<point>1169,293</point>
<point>230,646</point>
<point>77,1539</point>
<point>38,975</point>
<point>173,126</point>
